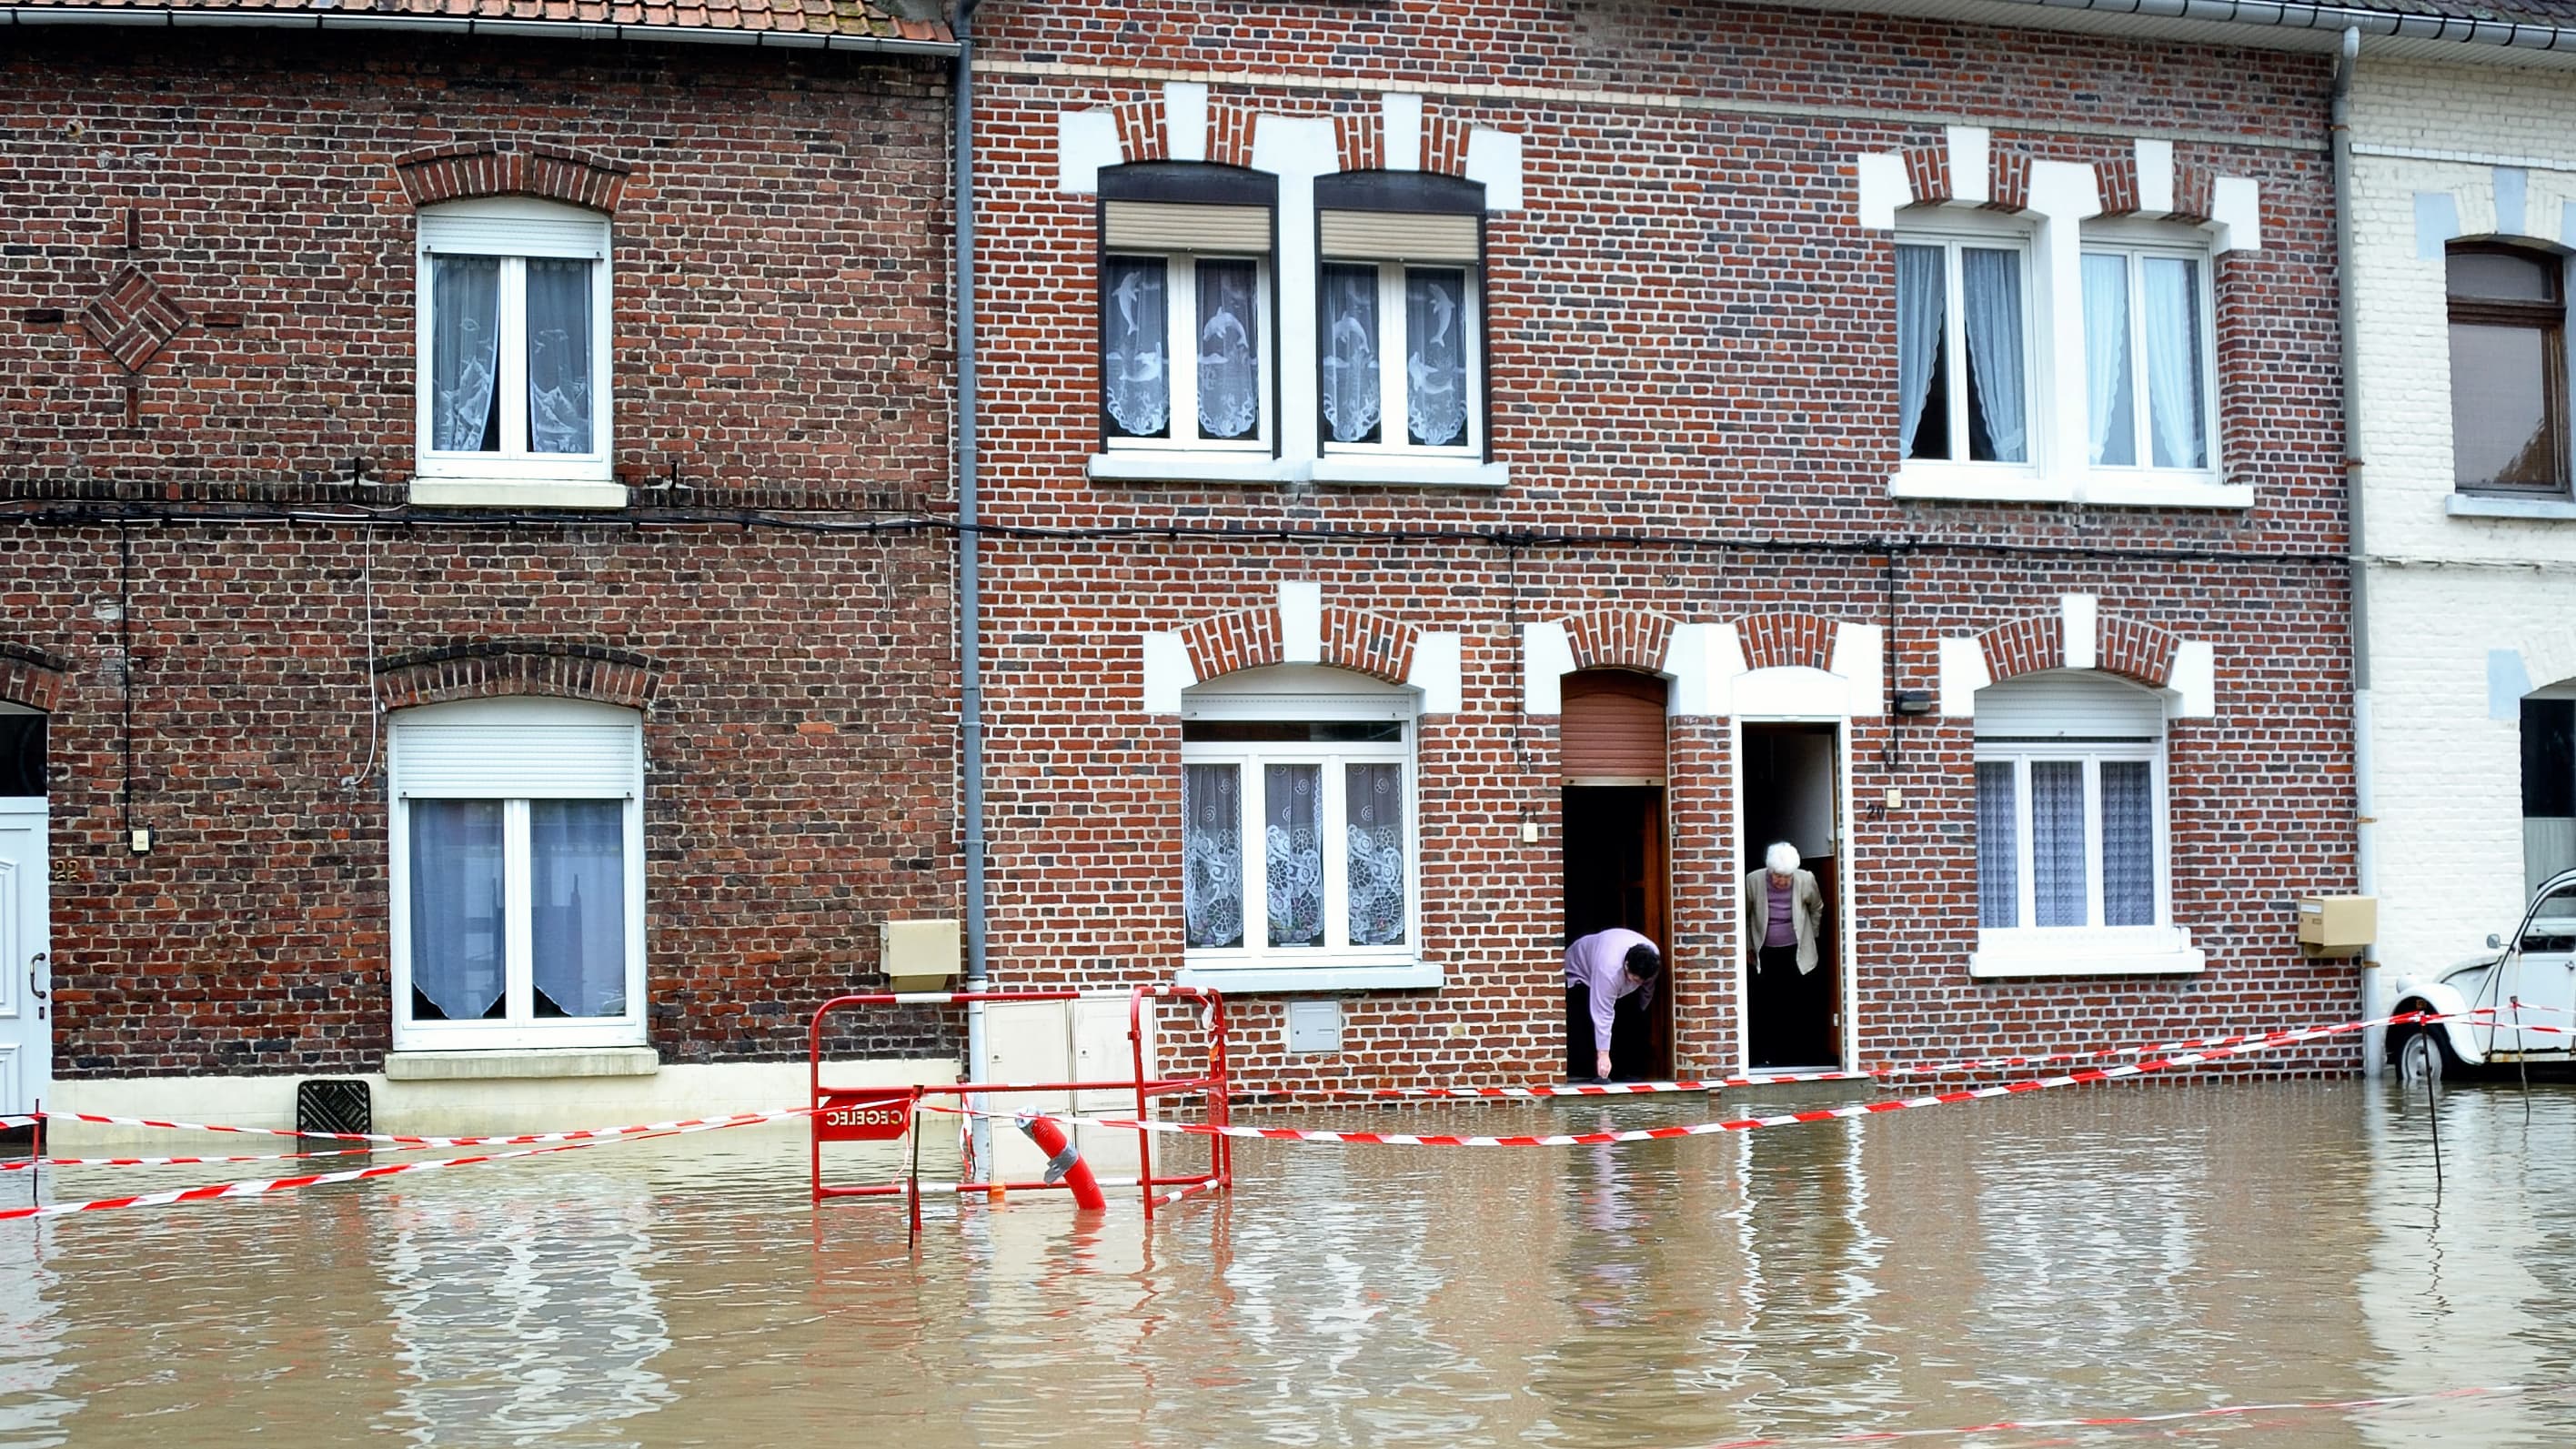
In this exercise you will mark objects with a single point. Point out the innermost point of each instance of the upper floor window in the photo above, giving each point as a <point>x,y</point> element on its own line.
<point>2508,315</point>
<point>1186,319</point>
<point>514,342</point>
<point>1399,335</point>
<point>517,874</point>
<point>1963,346</point>
<point>2148,365</point>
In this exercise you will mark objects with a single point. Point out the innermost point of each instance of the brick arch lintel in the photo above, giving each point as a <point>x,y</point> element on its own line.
<point>31,676</point>
<point>466,170</point>
<point>1787,640</point>
<point>1637,639</point>
<point>487,669</point>
<point>2130,648</point>
<point>1352,639</point>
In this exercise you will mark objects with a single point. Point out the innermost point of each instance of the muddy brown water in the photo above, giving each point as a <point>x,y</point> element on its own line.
<point>2080,1253</point>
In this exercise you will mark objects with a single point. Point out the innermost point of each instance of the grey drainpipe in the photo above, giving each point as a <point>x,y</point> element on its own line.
<point>2365,847</point>
<point>970,597</point>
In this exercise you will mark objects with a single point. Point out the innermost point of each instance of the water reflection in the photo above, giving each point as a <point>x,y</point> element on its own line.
<point>2077,1253</point>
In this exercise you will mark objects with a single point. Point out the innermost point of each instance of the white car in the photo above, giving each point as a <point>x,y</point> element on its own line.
<point>2529,982</point>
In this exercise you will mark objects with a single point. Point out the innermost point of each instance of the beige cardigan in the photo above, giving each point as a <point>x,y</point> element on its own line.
<point>1806,912</point>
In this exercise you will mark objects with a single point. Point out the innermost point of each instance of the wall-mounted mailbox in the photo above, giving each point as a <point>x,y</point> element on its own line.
<point>920,955</point>
<point>2337,925</point>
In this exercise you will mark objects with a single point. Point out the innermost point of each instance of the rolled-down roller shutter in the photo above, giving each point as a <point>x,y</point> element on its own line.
<point>518,749</point>
<point>1170,226</point>
<point>1395,236</point>
<point>1612,731</point>
<point>2068,704</point>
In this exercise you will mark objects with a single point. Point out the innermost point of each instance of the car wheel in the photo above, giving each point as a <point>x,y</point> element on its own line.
<point>2422,1054</point>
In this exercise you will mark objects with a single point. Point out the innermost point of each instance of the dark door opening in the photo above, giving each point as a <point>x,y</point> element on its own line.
<point>1613,761</point>
<point>1792,792</point>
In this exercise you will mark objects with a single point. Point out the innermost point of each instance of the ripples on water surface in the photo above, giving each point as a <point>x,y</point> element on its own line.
<point>2086,1252</point>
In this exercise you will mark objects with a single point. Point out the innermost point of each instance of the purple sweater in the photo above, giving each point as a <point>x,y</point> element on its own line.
<point>1600,961</point>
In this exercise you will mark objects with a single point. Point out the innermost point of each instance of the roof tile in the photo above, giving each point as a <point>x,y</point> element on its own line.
<point>855,18</point>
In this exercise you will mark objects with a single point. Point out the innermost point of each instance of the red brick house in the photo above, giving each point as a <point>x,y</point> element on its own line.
<point>467,619</point>
<point>1624,436</point>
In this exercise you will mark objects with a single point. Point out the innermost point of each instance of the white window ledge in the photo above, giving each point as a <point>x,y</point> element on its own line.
<point>1160,466</point>
<point>528,493</point>
<point>1996,484</point>
<point>1412,472</point>
<point>1238,980</point>
<point>2023,961</point>
<point>2491,505</point>
<point>2188,490</point>
<point>458,1066</point>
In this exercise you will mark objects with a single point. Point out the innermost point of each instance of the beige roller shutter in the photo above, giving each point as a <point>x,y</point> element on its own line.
<point>1399,236</point>
<point>1169,226</point>
<point>1612,731</point>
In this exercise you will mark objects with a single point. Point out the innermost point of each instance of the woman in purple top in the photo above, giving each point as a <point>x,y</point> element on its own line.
<point>1609,981</point>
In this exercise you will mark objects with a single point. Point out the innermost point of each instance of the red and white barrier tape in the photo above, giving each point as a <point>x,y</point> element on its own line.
<point>21,1164</point>
<point>1771,1079</point>
<point>232,1191</point>
<point>588,1134</point>
<point>2223,1411</point>
<point>1705,1129</point>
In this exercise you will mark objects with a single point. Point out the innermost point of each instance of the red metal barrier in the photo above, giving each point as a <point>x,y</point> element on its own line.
<point>885,1114</point>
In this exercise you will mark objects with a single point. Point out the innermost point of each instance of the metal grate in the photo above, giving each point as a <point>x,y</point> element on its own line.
<point>333,1104</point>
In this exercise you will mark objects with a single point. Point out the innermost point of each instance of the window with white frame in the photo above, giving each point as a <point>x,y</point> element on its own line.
<point>1399,331</point>
<point>1297,822</point>
<point>514,342</point>
<point>1963,343</point>
<point>2073,860</point>
<point>2149,369</point>
<point>1186,318</point>
<point>517,874</point>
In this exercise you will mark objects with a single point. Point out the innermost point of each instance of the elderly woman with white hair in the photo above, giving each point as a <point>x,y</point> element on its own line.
<point>1786,911</point>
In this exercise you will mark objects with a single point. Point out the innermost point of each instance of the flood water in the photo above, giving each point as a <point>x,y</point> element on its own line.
<point>2082,1252</point>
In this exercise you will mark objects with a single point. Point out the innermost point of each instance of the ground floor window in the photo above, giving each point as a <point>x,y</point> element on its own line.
<point>2548,785</point>
<point>517,875</point>
<point>1297,837</point>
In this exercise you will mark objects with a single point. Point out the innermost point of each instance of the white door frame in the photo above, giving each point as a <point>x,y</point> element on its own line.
<point>26,965</point>
<point>1847,989</point>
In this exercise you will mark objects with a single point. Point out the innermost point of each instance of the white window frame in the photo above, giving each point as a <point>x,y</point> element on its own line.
<point>1337,965</point>
<point>1952,234</point>
<point>1393,343</point>
<point>2093,948</point>
<point>2136,241</point>
<point>514,230</point>
<point>521,1028</point>
<point>1181,341</point>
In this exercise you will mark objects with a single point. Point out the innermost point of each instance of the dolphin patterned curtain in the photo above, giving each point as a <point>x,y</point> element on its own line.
<point>1135,346</point>
<point>1435,361</point>
<point>1351,400</point>
<point>1229,349</point>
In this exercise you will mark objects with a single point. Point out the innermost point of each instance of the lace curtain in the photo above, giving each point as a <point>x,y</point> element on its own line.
<point>464,353</point>
<point>1293,853</point>
<point>577,907</point>
<point>1919,286</point>
<point>558,356</point>
<point>1135,346</point>
<point>2171,307</point>
<point>1229,350</point>
<point>2057,843</point>
<point>1435,357</point>
<point>2128,844</point>
<point>2107,394</point>
<point>1350,383</point>
<point>1998,847</point>
<point>1990,304</point>
<point>1211,856</point>
<point>456,926</point>
<point>1373,801</point>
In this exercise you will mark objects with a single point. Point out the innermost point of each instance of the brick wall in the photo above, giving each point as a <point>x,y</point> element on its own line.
<point>1691,337</point>
<point>780,323</point>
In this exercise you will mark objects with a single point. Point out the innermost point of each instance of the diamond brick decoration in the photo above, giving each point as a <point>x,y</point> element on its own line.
<point>133,319</point>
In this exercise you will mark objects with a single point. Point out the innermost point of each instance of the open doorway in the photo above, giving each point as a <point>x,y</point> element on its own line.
<point>1792,792</point>
<point>1613,764</point>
